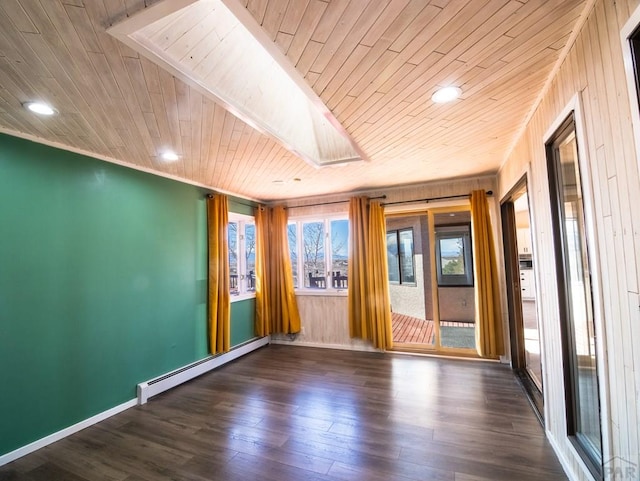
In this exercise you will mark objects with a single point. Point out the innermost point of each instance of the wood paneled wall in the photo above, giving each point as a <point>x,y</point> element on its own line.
<point>324,324</point>
<point>460,186</point>
<point>594,70</point>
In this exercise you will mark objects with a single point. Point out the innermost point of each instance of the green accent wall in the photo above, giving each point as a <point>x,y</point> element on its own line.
<point>242,207</point>
<point>102,285</point>
<point>242,321</point>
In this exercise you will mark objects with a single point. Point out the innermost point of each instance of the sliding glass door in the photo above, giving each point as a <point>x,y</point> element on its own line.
<point>574,294</point>
<point>454,280</point>
<point>430,268</point>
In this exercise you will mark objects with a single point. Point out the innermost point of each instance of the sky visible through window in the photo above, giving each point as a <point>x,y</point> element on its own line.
<point>452,256</point>
<point>339,237</point>
<point>451,247</point>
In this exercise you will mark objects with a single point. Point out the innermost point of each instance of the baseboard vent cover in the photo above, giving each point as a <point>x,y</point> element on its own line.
<point>148,389</point>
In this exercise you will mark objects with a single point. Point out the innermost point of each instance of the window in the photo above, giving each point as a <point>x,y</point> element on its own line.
<point>322,245</point>
<point>453,255</point>
<point>313,248</point>
<point>574,296</point>
<point>242,254</point>
<point>400,256</point>
<point>292,233</point>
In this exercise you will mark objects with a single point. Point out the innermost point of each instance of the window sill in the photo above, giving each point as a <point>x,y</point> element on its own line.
<point>242,297</point>
<point>321,292</point>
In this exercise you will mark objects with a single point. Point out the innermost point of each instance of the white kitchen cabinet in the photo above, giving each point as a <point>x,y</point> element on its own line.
<point>524,240</point>
<point>527,284</point>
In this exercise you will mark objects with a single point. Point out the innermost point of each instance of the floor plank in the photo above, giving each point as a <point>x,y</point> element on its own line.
<point>291,413</point>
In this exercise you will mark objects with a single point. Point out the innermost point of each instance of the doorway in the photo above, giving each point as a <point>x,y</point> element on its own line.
<point>431,280</point>
<point>521,281</point>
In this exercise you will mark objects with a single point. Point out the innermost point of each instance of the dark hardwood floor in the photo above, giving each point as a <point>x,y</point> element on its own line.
<point>293,413</point>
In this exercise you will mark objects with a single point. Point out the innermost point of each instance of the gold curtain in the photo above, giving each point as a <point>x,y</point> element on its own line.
<point>262,299</point>
<point>489,337</point>
<point>219,300</point>
<point>368,294</point>
<point>356,270</point>
<point>276,306</point>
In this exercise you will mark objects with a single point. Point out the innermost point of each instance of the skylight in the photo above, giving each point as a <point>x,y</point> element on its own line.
<point>227,56</point>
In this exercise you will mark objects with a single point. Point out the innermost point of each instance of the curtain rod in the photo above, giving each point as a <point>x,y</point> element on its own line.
<point>334,202</point>
<point>210,195</point>
<point>430,199</point>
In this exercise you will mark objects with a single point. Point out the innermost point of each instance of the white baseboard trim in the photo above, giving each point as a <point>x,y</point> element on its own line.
<point>344,347</point>
<point>57,436</point>
<point>148,389</point>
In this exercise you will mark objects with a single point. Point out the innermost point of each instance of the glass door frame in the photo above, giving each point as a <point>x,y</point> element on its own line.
<point>430,212</point>
<point>591,458</point>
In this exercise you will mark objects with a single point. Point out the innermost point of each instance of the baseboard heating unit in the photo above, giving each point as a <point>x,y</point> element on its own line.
<point>148,389</point>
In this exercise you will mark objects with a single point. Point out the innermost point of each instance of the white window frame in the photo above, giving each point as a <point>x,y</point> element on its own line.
<point>242,220</point>
<point>329,290</point>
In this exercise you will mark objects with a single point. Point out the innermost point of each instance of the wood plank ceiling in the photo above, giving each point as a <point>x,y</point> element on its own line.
<point>374,63</point>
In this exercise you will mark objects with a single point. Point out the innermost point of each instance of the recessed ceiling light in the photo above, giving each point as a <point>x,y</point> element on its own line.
<point>169,156</point>
<point>39,108</point>
<point>446,94</point>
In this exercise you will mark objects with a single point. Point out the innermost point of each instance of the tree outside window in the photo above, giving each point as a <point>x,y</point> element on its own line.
<point>232,238</point>
<point>323,245</point>
<point>453,255</point>
<point>292,235</point>
<point>241,235</point>
<point>339,252</point>
<point>314,270</point>
<point>250,256</point>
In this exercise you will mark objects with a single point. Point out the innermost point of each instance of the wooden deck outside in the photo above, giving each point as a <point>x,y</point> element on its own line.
<point>412,330</point>
<point>407,329</point>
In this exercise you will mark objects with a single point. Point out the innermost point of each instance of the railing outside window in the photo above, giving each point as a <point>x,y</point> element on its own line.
<point>318,249</point>
<point>242,254</point>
